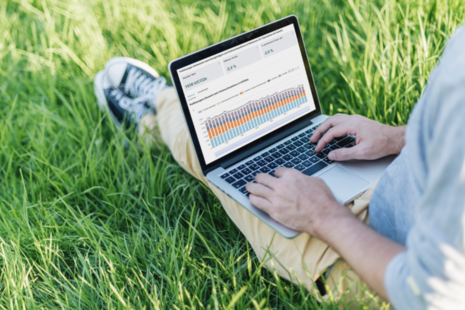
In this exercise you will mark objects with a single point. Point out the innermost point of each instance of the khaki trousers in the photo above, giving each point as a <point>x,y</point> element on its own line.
<point>301,260</point>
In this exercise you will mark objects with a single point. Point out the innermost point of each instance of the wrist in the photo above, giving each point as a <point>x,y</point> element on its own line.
<point>396,136</point>
<point>328,222</point>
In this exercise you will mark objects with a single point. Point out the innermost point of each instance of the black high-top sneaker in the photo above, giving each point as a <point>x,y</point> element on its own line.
<point>124,110</point>
<point>135,78</point>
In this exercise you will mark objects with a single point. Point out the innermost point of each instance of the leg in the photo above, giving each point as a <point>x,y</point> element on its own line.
<point>301,259</point>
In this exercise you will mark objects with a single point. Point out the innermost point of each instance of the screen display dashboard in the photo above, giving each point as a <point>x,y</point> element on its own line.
<point>242,94</point>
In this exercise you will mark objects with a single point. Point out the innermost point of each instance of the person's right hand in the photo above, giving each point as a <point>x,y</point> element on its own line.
<point>373,139</point>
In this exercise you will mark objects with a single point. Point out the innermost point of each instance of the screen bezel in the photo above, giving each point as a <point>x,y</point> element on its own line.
<point>221,47</point>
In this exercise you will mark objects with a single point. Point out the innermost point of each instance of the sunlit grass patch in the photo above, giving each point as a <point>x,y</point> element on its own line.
<point>88,223</point>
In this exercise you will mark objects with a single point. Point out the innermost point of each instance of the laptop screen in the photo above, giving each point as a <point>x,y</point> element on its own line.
<point>239,95</point>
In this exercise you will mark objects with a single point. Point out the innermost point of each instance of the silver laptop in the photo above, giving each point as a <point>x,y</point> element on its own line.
<point>251,106</point>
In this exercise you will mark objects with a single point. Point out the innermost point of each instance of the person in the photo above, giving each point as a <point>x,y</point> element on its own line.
<point>412,253</point>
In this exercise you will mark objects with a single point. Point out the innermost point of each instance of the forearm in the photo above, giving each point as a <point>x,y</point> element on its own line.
<point>366,251</point>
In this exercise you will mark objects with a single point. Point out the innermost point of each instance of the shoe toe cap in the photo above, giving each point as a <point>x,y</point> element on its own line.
<point>115,73</point>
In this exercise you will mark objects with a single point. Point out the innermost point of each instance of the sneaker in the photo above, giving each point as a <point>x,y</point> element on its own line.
<point>124,110</point>
<point>135,78</point>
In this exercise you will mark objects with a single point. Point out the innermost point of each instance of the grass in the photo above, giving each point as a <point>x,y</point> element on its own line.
<point>88,223</point>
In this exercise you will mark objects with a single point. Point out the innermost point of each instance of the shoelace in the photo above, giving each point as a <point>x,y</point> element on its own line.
<point>142,87</point>
<point>136,108</point>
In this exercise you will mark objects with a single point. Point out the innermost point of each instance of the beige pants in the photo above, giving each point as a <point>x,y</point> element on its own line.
<point>300,260</point>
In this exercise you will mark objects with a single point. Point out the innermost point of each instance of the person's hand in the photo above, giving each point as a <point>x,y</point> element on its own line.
<point>294,199</point>
<point>373,140</point>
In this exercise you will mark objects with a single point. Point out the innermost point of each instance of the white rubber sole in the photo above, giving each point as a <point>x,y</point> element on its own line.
<point>99,86</point>
<point>132,61</point>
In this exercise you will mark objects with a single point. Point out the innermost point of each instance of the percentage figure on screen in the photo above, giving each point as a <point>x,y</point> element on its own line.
<point>231,67</point>
<point>268,51</point>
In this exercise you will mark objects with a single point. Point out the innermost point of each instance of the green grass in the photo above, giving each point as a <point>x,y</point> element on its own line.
<point>87,223</point>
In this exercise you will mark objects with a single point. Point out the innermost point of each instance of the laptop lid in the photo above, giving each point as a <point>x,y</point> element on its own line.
<point>241,93</point>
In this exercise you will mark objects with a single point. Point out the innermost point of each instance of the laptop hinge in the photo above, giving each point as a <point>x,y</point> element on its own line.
<point>265,144</point>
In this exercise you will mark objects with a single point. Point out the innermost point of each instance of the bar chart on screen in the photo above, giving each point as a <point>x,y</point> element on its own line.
<point>235,123</point>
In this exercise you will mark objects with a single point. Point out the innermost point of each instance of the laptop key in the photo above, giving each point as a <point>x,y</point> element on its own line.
<point>241,167</point>
<point>314,159</point>
<point>327,160</point>
<point>345,142</point>
<point>320,155</point>
<point>300,167</point>
<point>307,163</point>
<point>233,171</point>
<point>261,163</point>
<point>230,180</point>
<point>249,178</point>
<point>250,162</point>
<point>288,142</point>
<point>276,155</point>
<point>265,169</point>
<point>257,158</point>
<point>238,175</point>
<point>265,154</point>
<point>302,135</point>
<point>294,153</point>
<point>301,149</point>
<point>310,153</point>
<point>239,184</point>
<point>295,138</point>
<point>273,150</point>
<point>315,168</point>
<point>243,190</point>
<point>298,143</point>
<point>296,161</point>
<point>288,165</point>
<point>272,171</point>
<point>303,157</point>
<point>280,161</point>
<point>340,138</point>
<point>280,146</point>
<point>272,166</point>
<point>224,176</point>
<point>291,147</point>
<point>287,157</point>
<point>246,171</point>
<point>284,151</point>
<point>269,159</point>
<point>254,167</point>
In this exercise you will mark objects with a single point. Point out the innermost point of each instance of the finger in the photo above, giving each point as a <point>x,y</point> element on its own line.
<point>259,189</point>
<point>345,154</point>
<point>337,131</point>
<point>281,171</point>
<point>330,122</point>
<point>260,202</point>
<point>265,179</point>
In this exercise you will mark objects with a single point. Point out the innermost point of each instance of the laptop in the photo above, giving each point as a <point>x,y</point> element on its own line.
<point>251,106</point>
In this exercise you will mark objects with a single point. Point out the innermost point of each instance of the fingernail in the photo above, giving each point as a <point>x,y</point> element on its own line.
<point>332,156</point>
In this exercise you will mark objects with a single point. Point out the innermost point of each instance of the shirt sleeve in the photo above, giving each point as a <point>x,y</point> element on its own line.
<point>431,273</point>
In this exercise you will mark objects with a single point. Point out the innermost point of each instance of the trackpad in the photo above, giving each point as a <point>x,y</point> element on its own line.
<point>344,184</point>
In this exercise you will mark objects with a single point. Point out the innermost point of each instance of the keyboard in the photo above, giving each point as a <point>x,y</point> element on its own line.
<point>297,152</point>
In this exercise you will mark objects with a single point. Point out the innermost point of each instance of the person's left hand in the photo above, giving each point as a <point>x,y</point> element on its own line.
<point>295,199</point>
